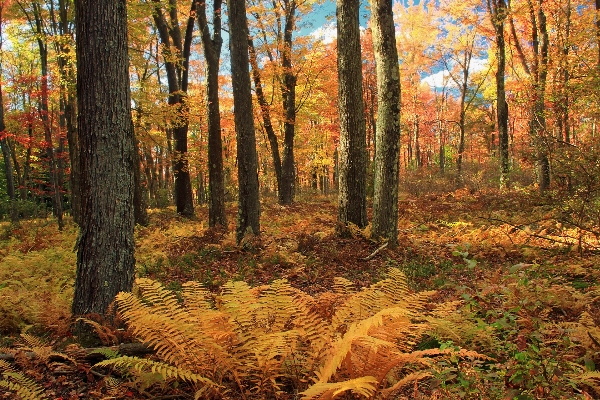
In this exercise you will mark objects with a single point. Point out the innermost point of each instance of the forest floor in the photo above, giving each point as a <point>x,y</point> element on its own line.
<point>508,257</point>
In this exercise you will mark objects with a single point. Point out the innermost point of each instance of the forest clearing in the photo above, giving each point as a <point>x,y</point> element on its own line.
<point>521,287</point>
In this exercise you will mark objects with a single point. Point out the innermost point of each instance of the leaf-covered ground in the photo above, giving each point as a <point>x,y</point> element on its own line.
<point>528,284</point>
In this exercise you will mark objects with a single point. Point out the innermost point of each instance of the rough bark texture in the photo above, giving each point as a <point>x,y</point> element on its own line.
<point>352,194</point>
<point>212,54</point>
<point>248,199</point>
<point>105,248</point>
<point>387,135</point>
<point>498,12</point>
<point>288,165</point>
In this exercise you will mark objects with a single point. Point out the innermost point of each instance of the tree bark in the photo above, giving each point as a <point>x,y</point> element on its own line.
<point>53,172</point>
<point>105,248</point>
<point>288,165</point>
<point>352,194</point>
<point>6,153</point>
<point>498,19</point>
<point>266,116</point>
<point>177,79</point>
<point>248,191</point>
<point>387,136</point>
<point>212,54</point>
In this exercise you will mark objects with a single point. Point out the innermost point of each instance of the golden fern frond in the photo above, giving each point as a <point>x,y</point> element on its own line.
<point>24,387</point>
<point>143,365</point>
<point>276,307</point>
<point>161,300</point>
<point>591,379</point>
<point>105,334</point>
<point>196,298</point>
<point>342,346</point>
<point>177,339</point>
<point>386,293</point>
<point>33,341</point>
<point>376,357</point>
<point>276,346</point>
<point>364,386</point>
<point>239,303</point>
<point>410,378</point>
<point>343,286</point>
<point>463,353</point>
<point>42,350</point>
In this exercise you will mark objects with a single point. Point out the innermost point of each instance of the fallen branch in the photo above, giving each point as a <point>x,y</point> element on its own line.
<point>373,254</point>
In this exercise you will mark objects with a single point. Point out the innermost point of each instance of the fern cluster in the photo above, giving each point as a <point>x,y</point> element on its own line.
<point>274,339</point>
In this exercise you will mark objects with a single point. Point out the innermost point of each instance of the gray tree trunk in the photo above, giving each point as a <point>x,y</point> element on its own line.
<point>105,248</point>
<point>212,54</point>
<point>352,167</point>
<point>499,12</point>
<point>248,190</point>
<point>387,136</point>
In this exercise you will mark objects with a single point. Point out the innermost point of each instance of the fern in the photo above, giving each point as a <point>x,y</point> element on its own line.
<point>365,386</point>
<point>15,381</point>
<point>142,365</point>
<point>275,336</point>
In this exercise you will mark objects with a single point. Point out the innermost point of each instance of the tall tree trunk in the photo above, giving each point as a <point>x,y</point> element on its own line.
<point>53,172</point>
<point>498,19</point>
<point>266,116</point>
<point>288,165</point>
<point>538,120</point>
<point>212,54</point>
<point>248,191</point>
<point>352,193</point>
<point>387,137</point>
<point>105,248</point>
<point>62,28</point>
<point>177,79</point>
<point>6,153</point>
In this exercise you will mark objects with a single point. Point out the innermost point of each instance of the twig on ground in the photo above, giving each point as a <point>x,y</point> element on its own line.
<point>373,254</point>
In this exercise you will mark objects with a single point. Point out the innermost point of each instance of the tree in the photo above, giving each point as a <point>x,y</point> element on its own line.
<point>6,153</point>
<point>176,52</point>
<point>37,23</point>
<point>461,44</point>
<point>212,53</point>
<point>352,194</point>
<point>105,259</point>
<point>387,137</point>
<point>498,12</point>
<point>248,200</point>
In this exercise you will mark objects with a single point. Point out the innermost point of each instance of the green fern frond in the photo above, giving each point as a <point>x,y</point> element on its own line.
<point>106,352</point>
<point>24,387</point>
<point>364,386</point>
